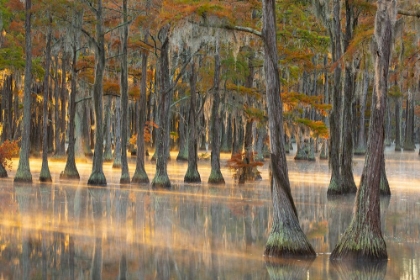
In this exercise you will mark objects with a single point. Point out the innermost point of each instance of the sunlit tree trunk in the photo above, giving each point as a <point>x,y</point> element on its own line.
<point>363,238</point>
<point>45,175</point>
<point>98,177</point>
<point>70,170</point>
<point>286,238</point>
<point>192,175</point>
<point>216,176</point>
<point>161,178</point>
<point>117,150</point>
<point>23,173</point>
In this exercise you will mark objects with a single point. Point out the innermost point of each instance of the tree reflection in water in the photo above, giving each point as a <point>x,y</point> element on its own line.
<point>193,231</point>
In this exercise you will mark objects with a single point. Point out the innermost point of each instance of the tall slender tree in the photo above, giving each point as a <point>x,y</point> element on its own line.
<point>23,173</point>
<point>363,238</point>
<point>286,238</point>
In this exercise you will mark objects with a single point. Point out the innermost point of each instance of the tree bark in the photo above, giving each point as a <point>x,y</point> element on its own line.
<point>161,179</point>
<point>70,170</point>
<point>23,173</point>
<point>216,176</point>
<point>107,129</point>
<point>98,177</point>
<point>45,175</point>
<point>192,175</point>
<point>397,125</point>
<point>125,176</point>
<point>409,124</point>
<point>363,238</point>
<point>140,175</point>
<point>117,150</point>
<point>286,238</point>
<point>361,141</point>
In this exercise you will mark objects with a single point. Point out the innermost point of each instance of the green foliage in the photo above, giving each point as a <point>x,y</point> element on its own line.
<point>12,58</point>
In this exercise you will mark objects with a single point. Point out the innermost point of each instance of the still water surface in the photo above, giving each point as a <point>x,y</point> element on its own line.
<point>66,230</point>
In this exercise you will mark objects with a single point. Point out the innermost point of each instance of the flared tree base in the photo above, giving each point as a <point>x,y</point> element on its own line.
<point>336,188</point>
<point>23,176</point>
<point>286,242</point>
<point>125,179</point>
<point>97,179</point>
<point>67,175</point>
<point>116,164</point>
<point>192,176</point>
<point>3,171</point>
<point>360,245</point>
<point>140,177</point>
<point>182,156</point>
<point>409,147</point>
<point>384,189</point>
<point>161,182</point>
<point>45,175</point>
<point>216,178</point>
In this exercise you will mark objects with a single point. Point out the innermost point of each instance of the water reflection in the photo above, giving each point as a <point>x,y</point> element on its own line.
<point>66,230</point>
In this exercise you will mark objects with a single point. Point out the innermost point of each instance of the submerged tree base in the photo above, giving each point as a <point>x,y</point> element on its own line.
<point>216,178</point>
<point>182,156</point>
<point>97,179</point>
<point>284,242</point>
<point>192,176</point>
<point>23,176</point>
<point>360,245</point>
<point>361,151</point>
<point>161,181</point>
<point>125,179</point>
<point>70,175</point>
<point>140,177</point>
<point>336,188</point>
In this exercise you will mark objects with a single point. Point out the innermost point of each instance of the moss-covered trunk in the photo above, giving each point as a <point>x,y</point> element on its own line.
<point>23,173</point>
<point>192,175</point>
<point>216,176</point>
<point>286,238</point>
<point>363,238</point>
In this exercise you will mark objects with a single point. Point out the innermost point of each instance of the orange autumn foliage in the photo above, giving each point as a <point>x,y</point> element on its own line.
<point>8,149</point>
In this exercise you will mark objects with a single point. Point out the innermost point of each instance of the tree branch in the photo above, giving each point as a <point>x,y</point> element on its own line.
<point>409,13</point>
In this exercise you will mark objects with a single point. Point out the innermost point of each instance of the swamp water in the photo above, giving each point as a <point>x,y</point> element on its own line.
<point>67,230</point>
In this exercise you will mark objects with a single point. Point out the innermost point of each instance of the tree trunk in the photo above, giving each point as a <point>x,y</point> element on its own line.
<point>397,125</point>
<point>261,135</point>
<point>98,177</point>
<point>125,176</point>
<point>140,175</point>
<point>384,185</point>
<point>192,175</point>
<point>64,93</point>
<point>183,132</point>
<point>361,141</point>
<point>335,117</point>
<point>409,121</point>
<point>45,175</point>
<point>70,170</point>
<point>286,238</point>
<point>216,176</point>
<point>363,238</point>
<point>107,129</point>
<point>161,178</point>
<point>117,149</point>
<point>23,173</point>
<point>346,168</point>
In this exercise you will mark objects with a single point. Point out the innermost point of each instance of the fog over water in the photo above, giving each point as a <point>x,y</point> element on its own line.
<point>67,230</point>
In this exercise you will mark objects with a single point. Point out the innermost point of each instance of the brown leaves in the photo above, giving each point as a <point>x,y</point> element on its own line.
<point>8,150</point>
